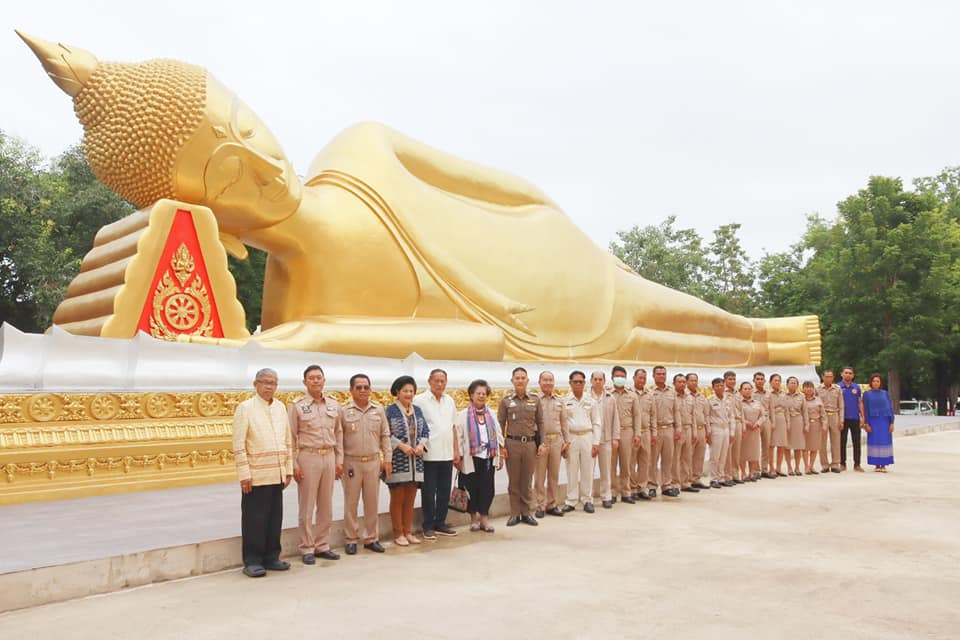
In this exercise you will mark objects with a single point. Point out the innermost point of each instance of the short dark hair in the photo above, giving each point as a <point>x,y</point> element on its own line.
<point>692,375</point>
<point>659,367</point>
<point>677,376</point>
<point>514,372</point>
<point>716,381</point>
<point>400,383</point>
<point>476,384</point>
<point>617,368</point>
<point>826,371</point>
<point>639,371</point>
<point>793,378</point>
<point>759,373</point>
<point>775,375</point>
<point>543,373</point>
<point>357,376</point>
<point>435,371</point>
<point>313,367</point>
<point>576,372</point>
<point>807,383</point>
<point>852,370</point>
<point>747,383</point>
<point>876,375</point>
<point>728,373</point>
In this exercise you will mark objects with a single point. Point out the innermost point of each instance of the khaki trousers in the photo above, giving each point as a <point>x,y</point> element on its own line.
<point>765,432</point>
<point>641,463</point>
<point>698,455</point>
<point>580,469</point>
<point>622,466</point>
<point>548,470</point>
<point>719,453</point>
<point>402,497</point>
<point>663,453</point>
<point>606,469</point>
<point>315,497</point>
<point>365,480</point>
<point>683,458</point>
<point>833,434</point>
<point>733,457</point>
<point>521,465</point>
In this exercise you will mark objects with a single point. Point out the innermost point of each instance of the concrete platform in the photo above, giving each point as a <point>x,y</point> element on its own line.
<point>61,550</point>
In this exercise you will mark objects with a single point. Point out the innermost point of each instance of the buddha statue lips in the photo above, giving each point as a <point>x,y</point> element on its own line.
<point>390,246</point>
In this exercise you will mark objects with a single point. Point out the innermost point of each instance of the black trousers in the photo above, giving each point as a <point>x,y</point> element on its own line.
<point>435,493</point>
<point>261,517</point>
<point>852,427</point>
<point>479,485</point>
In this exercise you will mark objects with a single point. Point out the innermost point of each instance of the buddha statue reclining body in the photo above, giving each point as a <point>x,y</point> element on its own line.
<point>389,246</point>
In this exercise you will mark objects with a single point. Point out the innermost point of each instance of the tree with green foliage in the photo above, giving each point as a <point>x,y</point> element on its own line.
<point>664,254</point>
<point>729,272</point>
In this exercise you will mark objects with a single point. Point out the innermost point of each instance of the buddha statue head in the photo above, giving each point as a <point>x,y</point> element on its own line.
<point>168,129</point>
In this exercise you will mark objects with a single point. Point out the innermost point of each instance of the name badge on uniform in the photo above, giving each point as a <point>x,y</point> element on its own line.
<point>306,408</point>
<point>512,404</point>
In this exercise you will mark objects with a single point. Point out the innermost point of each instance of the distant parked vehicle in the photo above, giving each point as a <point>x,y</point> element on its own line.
<point>917,408</point>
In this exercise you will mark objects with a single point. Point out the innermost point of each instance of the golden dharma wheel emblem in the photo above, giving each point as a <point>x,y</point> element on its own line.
<point>159,405</point>
<point>181,304</point>
<point>181,312</point>
<point>104,406</point>
<point>43,407</point>
<point>208,404</point>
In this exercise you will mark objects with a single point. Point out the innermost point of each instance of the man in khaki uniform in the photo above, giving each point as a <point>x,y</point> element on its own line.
<point>556,440</point>
<point>700,430</point>
<point>766,449</point>
<point>647,423</point>
<point>668,427</point>
<point>366,452</point>
<point>521,419</point>
<point>582,415</point>
<point>683,451</point>
<point>720,437</point>
<point>317,434</point>
<point>609,434</point>
<point>732,396</point>
<point>832,398</point>
<point>623,472</point>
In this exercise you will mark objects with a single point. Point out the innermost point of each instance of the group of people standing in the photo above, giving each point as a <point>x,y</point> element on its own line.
<point>643,440</point>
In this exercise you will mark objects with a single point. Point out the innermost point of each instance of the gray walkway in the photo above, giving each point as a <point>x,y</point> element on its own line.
<point>50,533</point>
<point>854,556</point>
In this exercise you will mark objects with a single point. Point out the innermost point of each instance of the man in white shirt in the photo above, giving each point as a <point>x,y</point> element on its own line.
<point>441,454</point>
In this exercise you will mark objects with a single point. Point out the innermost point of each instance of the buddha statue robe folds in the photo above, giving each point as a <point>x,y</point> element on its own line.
<point>390,246</point>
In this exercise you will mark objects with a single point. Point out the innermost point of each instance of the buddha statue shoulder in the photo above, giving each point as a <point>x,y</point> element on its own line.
<point>389,246</point>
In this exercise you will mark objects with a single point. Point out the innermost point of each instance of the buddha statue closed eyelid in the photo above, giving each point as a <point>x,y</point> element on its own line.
<point>391,246</point>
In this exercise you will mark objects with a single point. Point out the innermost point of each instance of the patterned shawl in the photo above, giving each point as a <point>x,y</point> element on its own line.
<point>473,430</point>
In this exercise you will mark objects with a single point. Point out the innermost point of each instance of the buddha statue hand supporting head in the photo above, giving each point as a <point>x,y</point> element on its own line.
<point>168,129</point>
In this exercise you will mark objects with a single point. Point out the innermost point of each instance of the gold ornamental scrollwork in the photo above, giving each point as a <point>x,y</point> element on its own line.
<point>184,308</point>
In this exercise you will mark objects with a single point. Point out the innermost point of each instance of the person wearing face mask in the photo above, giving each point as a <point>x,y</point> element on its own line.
<point>609,434</point>
<point>622,465</point>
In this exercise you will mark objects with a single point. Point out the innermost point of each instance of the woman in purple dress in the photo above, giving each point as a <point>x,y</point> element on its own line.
<point>878,411</point>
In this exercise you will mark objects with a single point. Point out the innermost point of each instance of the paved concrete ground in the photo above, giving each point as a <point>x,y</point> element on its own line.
<point>837,556</point>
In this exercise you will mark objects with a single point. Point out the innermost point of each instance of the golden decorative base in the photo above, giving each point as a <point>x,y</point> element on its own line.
<point>68,445</point>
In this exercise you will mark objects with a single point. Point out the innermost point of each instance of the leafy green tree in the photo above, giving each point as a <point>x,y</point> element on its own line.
<point>730,275</point>
<point>249,277</point>
<point>664,254</point>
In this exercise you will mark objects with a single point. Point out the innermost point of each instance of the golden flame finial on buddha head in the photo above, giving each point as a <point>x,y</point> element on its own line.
<point>168,129</point>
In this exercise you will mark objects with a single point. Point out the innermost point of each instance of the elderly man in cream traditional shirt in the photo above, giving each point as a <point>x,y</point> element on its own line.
<point>582,415</point>
<point>261,449</point>
<point>441,454</point>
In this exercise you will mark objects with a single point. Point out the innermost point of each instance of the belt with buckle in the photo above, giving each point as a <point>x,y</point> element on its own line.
<point>316,450</point>
<point>521,438</point>
<point>582,433</point>
<point>794,414</point>
<point>688,425</point>
<point>665,426</point>
<point>551,436</point>
<point>832,413</point>
<point>700,427</point>
<point>375,456</point>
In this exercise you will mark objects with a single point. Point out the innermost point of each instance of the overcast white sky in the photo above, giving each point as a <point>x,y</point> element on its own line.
<point>624,112</point>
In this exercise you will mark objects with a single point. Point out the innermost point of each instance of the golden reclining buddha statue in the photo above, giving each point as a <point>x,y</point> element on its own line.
<point>390,246</point>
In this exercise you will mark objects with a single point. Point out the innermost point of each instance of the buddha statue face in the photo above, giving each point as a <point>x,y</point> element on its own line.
<point>234,165</point>
<point>168,129</point>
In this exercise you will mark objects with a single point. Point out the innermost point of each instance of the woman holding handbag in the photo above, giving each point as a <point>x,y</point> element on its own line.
<point>409,435</point>
<point>481,440</point>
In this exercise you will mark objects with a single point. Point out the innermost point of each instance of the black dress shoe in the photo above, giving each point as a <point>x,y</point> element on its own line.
<point>567,509</point>
<point>276,565</point>
<point>737,481</point>
<point>530,520</point>
<point>607,504</point>
<point>556,512</point>
<point>588,507</point>
<point>628,500</point>
<point>374,546</point>
<point>540,514</point>
<point>329,555</point>
<point>835,469</point>
<point>445,530</point>
<point>716,485</point>
<point>672,493</point>
<point>351,548</point>
<point>652,493</point>
<point>700,485</point>
<point>308,558</point>
<point>254,571</point>
<point>513,521</point>
<point>728,483</point>
<point>643,495</point>
<point>613,499</point>
<point>691,489</point>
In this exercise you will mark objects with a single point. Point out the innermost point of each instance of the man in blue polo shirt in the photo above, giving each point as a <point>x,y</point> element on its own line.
<point>852,418</point>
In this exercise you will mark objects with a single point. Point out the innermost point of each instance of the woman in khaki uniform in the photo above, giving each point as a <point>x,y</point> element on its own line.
<point>796,439</point>
<point>778,414</point>
<point>754,417</point>
<point>814,426</point>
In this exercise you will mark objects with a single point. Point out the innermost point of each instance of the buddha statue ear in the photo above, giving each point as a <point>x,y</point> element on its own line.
<point>69,67</point>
